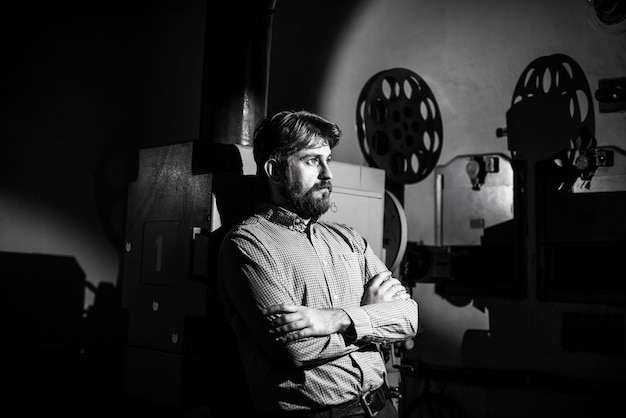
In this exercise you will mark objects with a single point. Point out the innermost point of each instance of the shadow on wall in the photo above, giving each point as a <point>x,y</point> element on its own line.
<point>296,31</point>
<point>57,356</point>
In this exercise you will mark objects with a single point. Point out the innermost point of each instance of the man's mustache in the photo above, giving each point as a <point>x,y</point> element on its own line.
<point>326,184</point>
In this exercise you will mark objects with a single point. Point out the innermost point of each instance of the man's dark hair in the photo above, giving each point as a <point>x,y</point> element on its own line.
<point>287,132</point>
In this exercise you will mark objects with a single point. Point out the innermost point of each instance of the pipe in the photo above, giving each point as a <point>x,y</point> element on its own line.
<point>236,70</point>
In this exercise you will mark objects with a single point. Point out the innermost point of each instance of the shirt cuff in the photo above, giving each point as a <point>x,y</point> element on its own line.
<point>361,320</point>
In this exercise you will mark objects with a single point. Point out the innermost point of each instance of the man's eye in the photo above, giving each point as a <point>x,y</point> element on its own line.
<point>314,161</point>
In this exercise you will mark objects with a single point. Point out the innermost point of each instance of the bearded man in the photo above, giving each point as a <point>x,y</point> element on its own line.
<point>309,301</point>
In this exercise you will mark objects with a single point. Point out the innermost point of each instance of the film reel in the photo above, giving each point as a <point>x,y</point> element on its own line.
<point>552,106</point>
<point>551,118</point>
<point>608,16</point>
<point>399,125</point>
<point>395,231</point>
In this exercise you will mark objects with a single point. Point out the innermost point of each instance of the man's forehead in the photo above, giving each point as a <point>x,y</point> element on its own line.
<point>321,149</point>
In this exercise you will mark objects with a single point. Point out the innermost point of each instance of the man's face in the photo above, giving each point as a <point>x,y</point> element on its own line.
<point>307,184</point>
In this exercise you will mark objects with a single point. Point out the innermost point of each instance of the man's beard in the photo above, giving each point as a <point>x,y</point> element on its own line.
<point>303,202</point>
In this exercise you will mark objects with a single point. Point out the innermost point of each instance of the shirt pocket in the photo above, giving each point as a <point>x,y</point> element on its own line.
<point>351,268</point>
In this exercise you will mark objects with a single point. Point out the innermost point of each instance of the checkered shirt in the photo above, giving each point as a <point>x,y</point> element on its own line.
<point>275,257</point>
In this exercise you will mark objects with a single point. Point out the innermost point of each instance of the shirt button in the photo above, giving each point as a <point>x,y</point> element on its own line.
<point>325,263</point>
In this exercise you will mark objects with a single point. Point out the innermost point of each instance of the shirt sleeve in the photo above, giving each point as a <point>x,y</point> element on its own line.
<point>381,322</point>
<point>385,322</point>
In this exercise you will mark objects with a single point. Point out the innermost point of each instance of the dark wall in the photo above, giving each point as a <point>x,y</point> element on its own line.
<point>303,38</point>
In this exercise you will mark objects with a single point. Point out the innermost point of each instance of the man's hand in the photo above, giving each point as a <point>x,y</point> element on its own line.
<point>294,322</point>
<point>383,288</point>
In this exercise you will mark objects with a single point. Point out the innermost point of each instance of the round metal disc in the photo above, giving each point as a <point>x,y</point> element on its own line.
<point>399,125</point>
<point>395,232</point>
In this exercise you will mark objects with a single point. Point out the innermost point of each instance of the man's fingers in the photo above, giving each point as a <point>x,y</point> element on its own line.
<point>285,319</point>
<point>379,278</point>
<point>391,281</point>
<point>391,286</point>
<point>288,327</point>
<point>282,308</point>
<point>291,336</point>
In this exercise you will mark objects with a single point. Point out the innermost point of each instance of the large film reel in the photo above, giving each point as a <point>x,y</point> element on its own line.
<point>552,106</point>
<point>399,125</point>
<point>552,117</point>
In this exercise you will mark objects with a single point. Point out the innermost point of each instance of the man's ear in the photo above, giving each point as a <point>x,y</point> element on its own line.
<point>271,170</point>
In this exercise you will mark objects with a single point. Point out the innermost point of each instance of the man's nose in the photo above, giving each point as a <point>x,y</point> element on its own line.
<point>325,172</point>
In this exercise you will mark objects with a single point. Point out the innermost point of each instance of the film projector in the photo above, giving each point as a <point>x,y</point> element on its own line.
<point>399,128</point>
<point>576,187</point>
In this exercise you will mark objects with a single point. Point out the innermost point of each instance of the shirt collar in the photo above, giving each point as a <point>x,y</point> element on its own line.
<point>284,217</point>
